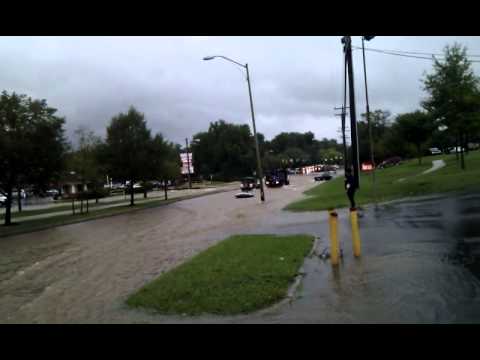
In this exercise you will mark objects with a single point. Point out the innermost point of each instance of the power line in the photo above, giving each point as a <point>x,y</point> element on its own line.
<point>389,52</point>
<point>410,52</point>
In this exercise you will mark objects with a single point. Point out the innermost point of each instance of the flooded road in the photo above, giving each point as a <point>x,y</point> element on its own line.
<point>82,273</point>
<point>420,262</point>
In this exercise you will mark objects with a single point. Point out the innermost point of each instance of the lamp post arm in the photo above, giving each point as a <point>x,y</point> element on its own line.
<point>233,61</point>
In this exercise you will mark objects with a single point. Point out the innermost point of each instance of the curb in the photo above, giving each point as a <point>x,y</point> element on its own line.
<point>294,286</point>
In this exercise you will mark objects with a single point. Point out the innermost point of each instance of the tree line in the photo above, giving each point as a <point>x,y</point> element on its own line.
<point>449,116</point>
<point>226,151</point>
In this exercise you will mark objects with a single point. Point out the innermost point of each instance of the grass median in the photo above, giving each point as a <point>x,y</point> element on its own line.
<point>389,187</point>
<point>240,274</point>
<point>22,226</point>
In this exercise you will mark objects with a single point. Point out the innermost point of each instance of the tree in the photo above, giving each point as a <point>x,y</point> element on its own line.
<point>271,162</point>
<point>454,96</point>
<point>85,160</point>
<point>226,151</point>
<point>127,148</point>
<point>32,144</point>
<point>164,161</point>
<point>296,156</point>
<point>329,156</point>
<point>415,128</point>
<point>379,122</point>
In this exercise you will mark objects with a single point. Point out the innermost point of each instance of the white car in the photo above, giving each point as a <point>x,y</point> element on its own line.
<point>3,198</point>
<point>435,151</point>
<point>458,148</point>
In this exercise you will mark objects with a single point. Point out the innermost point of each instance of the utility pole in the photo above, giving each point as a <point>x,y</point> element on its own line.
<point>372,157</point>
<point>344,141</point>
<point>347,41</point>
<point>188,166</point>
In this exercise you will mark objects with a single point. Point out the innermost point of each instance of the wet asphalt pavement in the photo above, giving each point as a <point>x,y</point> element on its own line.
<point>420,262</point>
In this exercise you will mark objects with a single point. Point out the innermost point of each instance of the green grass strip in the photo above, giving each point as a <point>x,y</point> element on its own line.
<point>238,275</point>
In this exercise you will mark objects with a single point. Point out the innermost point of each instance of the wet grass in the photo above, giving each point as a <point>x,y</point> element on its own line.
<point>59,208</point>
<point>446,179</point>
<point>239,275</point>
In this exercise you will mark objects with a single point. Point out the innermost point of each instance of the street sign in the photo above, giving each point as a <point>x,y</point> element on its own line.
<point>367,166</point>
<point>186,162</point>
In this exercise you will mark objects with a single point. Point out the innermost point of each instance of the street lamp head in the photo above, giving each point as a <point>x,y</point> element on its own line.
<point>208,58</point>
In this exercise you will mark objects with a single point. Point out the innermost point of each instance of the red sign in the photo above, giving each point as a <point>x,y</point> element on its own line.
<point>367,166</point>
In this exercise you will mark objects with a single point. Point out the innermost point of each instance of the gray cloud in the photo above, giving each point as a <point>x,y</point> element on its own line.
<point>297,81</point>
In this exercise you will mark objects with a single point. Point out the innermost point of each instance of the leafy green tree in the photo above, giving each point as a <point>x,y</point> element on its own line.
<point>454,96</point>
<point>128,146</point>
<point>379,120</point>
<point>271,162</point>
<point>296,156</point>
<point>32,144</point>
<point>164,161</point>
<point>415,128</point>
<point>85,160</point>
<point>226,151</point>
<point>329,156</point>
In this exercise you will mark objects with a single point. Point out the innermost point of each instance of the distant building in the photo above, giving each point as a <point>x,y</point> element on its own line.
<point>71,184</point>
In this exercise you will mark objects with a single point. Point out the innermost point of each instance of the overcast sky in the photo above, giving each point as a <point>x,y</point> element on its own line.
<point>296,81</point>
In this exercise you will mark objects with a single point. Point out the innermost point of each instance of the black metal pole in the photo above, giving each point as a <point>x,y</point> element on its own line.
<point>345,154</point>
<point>353,116</point>
<point>188,166</point>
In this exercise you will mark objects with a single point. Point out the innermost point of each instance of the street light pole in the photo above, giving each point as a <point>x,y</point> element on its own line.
<point>370,137</point>
<point>257,150</point>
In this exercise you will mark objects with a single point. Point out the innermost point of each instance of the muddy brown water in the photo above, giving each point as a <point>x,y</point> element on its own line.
<point>420,262</point>
<point>82,273</point>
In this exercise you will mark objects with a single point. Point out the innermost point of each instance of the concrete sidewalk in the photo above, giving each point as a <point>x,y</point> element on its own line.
<point>152,196</point>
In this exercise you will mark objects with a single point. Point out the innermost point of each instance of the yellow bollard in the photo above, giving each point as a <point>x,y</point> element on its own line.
<point>334,248</point>
<point>355,232</point>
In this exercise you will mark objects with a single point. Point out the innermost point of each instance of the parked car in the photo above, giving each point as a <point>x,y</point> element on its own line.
<point>435,151</point>
<point>323,177</point>
<point>3,199</point>
<point>52,192</point>
<point>396,160</point>
<point>455,149</point>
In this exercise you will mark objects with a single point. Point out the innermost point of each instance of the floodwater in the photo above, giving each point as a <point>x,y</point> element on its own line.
<point>82,273</point>
<point>420,262</point>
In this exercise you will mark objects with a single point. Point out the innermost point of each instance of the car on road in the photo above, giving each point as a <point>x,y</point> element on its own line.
<point>249,183</point>
<point>396,160</point>
<point>3,199</point>
<point>277,178</point>
<point>435,151</point>
<point>323,177</point>
<point>455,149</point>
<point>52,192</point>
